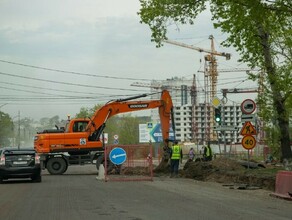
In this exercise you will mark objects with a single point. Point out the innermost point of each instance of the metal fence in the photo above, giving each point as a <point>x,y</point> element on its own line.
<point>137,164</point>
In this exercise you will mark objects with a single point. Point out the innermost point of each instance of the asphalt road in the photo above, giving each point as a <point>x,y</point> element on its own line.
<point>78,195</point>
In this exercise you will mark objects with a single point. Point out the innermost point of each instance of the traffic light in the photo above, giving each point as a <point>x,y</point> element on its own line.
<point>217,115</point>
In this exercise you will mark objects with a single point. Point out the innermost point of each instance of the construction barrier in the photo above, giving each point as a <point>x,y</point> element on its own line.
<point>138,164</point>
<point>283,188</point>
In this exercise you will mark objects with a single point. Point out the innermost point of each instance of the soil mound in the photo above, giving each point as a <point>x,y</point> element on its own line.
<point>226,170</point>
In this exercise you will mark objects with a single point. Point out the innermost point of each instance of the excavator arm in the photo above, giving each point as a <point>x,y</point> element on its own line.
<point>164,104</point>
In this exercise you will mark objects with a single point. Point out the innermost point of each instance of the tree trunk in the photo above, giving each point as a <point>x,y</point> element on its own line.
<point>278,99</point>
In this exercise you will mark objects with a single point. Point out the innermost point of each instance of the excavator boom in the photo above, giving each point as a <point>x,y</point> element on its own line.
<point>164,105</point>
<point>84,134</point>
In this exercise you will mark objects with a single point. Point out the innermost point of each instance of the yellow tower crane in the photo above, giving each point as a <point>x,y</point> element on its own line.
<point>210,70</point>
<point>210,81</point>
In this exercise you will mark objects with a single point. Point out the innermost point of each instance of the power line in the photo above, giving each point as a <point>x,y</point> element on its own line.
<point>58,90</point>
<point>72,72</point>
<point>66,83</point>
<point>23,90</point>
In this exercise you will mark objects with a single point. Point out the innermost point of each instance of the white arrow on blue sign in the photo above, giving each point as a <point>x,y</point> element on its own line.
<point>156,133</point>
<point>118,156</point>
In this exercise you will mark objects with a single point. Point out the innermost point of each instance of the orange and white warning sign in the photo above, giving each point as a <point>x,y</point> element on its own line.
<point>248,129</point>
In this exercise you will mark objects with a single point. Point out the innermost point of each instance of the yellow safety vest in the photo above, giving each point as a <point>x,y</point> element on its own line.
<point>209,152</point>
<point>175,152</point>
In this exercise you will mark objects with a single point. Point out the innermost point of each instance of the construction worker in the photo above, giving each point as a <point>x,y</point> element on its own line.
<point>191,154</point>
<point>175,158</point>
<point>208,153</point>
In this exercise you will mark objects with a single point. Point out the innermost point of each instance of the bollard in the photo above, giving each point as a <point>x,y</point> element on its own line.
<point>101,175</point>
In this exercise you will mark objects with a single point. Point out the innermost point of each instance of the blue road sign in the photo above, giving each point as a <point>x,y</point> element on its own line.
<point>156,133</point>
<point>118,156</point>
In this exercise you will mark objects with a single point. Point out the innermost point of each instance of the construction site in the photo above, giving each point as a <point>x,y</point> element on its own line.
<point>194,117</point>
<point>196,125</point>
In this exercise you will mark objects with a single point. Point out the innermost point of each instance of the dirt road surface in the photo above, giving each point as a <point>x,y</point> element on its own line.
<point>78,195</point>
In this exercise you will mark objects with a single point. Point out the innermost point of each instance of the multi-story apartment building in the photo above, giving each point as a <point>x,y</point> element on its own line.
<point>183,118</point>
<point>179,89</point>
<point>195,122</point>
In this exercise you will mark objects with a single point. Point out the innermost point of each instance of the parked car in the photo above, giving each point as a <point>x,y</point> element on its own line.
<point>19,163</point>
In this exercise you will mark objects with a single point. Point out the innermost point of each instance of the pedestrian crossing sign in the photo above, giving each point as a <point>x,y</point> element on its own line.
<point>248,129</point>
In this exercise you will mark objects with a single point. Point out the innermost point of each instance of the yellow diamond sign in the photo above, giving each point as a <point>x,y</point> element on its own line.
<point>216,102</point>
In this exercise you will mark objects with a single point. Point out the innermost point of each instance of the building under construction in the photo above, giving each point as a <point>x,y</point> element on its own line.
<point>194,120</point>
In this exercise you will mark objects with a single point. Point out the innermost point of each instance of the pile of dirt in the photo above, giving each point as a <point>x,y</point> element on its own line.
<point>134,171</point>
<point>226,170</point>
<point>201,170</point>
<point>222,170</point>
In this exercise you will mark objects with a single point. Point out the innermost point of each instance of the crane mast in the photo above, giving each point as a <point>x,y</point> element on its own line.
<point>210,78</point>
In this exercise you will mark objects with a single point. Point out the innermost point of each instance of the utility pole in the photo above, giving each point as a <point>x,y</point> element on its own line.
<point>18,130</point>
<point>224,101</point>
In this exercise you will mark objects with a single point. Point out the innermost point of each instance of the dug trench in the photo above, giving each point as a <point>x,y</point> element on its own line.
<point>232,172</point>
<point>228,172</point>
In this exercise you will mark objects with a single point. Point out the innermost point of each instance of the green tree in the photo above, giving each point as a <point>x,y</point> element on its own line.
<point>87,112</point>
<point>129,132</point>
<point>27,131</point>
<point>6,129</point>
<point>112,128</point>
<point>48,123</point>
<point>260,30</point>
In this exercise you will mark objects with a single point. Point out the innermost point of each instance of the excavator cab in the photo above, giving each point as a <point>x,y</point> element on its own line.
<point>79,126</point>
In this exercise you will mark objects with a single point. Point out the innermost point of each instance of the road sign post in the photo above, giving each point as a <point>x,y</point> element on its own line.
<point>248,141</point>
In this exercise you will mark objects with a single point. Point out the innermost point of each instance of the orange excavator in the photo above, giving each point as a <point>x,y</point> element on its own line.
<point>80,141</point>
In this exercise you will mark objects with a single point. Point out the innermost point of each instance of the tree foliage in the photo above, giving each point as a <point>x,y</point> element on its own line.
<point>26,132</point>
<point>260,30</point>
<point>6,129</point>
<point>48,123</point>
<point>87,112</point>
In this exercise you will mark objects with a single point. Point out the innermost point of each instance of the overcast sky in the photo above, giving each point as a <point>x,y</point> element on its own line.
<point>98,49</point>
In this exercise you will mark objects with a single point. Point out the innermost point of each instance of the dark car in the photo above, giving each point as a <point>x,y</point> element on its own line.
<point>19,163</point>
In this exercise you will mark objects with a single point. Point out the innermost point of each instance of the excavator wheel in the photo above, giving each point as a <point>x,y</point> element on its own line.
<point>57,166</point>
